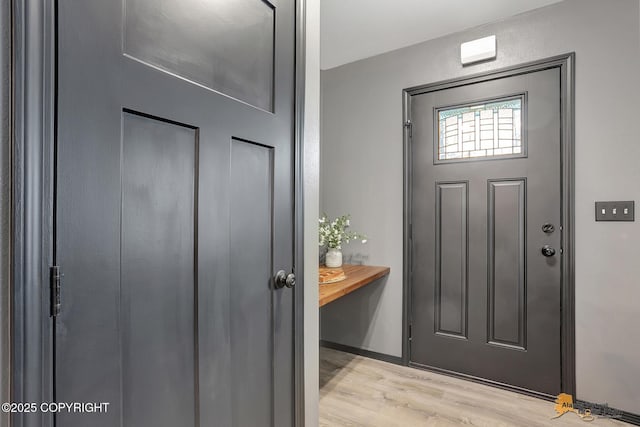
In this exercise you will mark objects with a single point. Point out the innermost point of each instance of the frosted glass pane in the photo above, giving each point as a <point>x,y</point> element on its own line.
<point>491,129</point>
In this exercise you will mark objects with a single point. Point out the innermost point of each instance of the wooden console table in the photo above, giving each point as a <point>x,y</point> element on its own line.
<point>357,277</point>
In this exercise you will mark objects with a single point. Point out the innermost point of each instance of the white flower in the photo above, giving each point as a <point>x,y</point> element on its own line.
<point>333,233</point>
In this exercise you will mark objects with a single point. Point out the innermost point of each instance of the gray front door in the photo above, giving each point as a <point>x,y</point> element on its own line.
<point>174,208</point>
<point>485,250</point>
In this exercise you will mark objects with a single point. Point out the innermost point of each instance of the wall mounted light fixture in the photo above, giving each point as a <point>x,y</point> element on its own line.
<point>478,50</point>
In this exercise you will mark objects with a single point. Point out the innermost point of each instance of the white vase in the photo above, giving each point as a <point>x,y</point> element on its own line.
<point>333,258</point>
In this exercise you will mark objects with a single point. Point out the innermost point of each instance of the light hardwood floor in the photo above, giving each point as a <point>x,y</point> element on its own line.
<point>358,391</point>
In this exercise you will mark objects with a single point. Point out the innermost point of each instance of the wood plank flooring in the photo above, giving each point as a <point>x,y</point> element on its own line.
<point>358,391</point>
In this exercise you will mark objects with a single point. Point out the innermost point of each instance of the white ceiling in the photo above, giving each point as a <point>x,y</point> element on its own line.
<point>357,29</point>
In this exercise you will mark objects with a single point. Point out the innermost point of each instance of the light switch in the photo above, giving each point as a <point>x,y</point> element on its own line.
<point>615,211</point>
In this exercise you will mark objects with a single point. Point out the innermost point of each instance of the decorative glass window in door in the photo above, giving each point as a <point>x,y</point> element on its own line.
<point>491,129</point>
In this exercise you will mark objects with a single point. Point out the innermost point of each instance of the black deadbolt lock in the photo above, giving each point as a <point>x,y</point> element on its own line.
<point>548,228</point>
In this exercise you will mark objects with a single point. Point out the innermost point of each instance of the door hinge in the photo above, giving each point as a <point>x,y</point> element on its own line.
<point>410,332</point>
<point>54,287</point>
<point>409,126</point>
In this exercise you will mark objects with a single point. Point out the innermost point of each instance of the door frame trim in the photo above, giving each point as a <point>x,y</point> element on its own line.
<point>5,204</point>
<point>33,172</point>
<point>566,64</point>
<point>298,211</point>
<point>33,153</point>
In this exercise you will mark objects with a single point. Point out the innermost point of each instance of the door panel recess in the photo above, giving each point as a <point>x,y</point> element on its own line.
<point>452,247</point>
<point>506,263</point>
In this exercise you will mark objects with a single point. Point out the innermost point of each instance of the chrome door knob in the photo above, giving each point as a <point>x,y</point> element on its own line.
<point>290,281</point>
<point>548,251</point>
<point>283,279</point>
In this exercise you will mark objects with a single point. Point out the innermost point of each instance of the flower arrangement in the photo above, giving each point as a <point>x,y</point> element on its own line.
<point>333,233</point>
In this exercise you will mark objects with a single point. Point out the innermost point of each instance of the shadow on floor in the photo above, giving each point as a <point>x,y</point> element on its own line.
<point>333,368</point>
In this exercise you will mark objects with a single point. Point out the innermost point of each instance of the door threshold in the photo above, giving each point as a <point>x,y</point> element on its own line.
<point>484,381</point>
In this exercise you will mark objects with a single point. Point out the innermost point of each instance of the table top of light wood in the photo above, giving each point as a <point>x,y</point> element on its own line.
<point>357,277</point>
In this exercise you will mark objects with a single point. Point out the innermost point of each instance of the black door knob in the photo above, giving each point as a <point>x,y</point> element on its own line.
<point>283,279</point>
<point>548,251</point>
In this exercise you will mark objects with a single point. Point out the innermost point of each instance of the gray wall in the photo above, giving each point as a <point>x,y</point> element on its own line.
<point>5,201</point>
<point>361,173</point>
<point>311,182</point>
